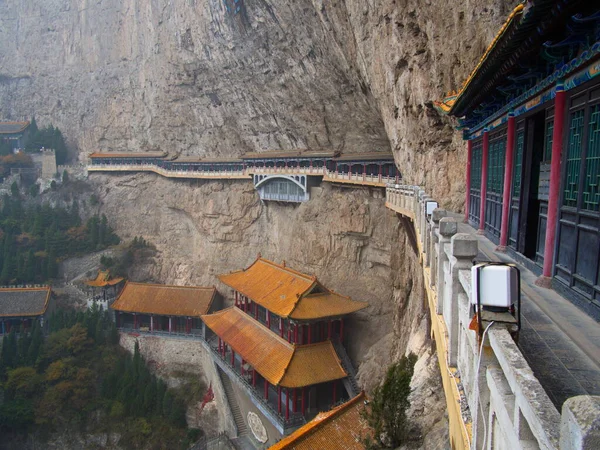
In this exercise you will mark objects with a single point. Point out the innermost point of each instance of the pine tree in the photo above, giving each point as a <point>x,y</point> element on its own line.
<point>99,336</point>
<point>52,270</point>
<point>167,403</point>
<point>35,345</point>
<point>14,189</point>
<point>177,413</point>
<point>114,334</point>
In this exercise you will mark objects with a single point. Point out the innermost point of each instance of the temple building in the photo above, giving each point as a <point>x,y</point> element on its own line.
<point>155,308</point>
<point>530,112</point>
<point>342,428</point>
<point>19,307</point>
<point>15,133</point>
<point>282,342</point>
<point>105,288</point>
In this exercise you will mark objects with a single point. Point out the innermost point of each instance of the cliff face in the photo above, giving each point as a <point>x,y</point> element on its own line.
<point>206,78</point>
<point>190,76</point>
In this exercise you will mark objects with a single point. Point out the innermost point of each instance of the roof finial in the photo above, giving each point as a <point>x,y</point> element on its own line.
<point>283,263</point>
<point>259,255</point>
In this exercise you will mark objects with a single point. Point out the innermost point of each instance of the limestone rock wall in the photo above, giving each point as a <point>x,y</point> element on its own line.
<point>190,76</point>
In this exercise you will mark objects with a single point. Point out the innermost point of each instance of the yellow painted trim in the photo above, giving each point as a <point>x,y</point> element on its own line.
<point>451,98</point>
<point>459,432</point>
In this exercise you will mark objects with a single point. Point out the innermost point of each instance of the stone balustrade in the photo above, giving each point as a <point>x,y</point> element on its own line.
<point>494,400</point>
<point>245,173</point>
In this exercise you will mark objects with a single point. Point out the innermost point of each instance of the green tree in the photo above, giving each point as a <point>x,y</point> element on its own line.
<point>14,189</point>
<point>65,177</point>
<point>34,190</point>
<point>52,270</point>
<point>387,412</point>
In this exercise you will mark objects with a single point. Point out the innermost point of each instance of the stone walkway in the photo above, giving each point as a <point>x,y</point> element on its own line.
<point>559,341</point>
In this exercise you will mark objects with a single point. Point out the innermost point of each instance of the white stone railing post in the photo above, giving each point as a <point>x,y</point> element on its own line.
<point>580,423</point>
<point>463,249</point>
<point>448,227</point>
<point>431,259</point>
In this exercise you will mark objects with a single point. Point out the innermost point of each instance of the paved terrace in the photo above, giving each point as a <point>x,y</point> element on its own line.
<point>509,397</point>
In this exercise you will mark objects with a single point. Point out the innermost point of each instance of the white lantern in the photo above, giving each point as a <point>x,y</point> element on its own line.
<point>494,285</point>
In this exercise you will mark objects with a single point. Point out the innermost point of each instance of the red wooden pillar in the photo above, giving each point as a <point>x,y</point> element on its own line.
<point>364,171</point>
<point>341,330</point>
<point>220,346</point>
<point>303,400</point>
<point>557,140</point>
<point>287,404</point>
<point>134,321</point>
<point>279,399</point>
<point>380,173</point>
<point>151,323</point>
<point>255,310</point>
<point>329,329</point>
<point>170,325</point>
<point>295,333</point>
<point>232,358</point>
<point>295,400</point>
<point>290,332</point>
<point>236,298</point>
<point>309,336</point>
<point>468,178</point>
<point>281,326</point>
<point>254,377</point>
<point>268,319</point>
<point>508,170</point>
<point>266,390</point>
<point>484,175</point>
<point>242,367</point>
<point>188,325</point>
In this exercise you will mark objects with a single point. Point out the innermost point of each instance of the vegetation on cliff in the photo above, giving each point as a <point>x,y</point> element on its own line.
<point>34,237</point>
<point>387,413</point>
<point>79,378</point>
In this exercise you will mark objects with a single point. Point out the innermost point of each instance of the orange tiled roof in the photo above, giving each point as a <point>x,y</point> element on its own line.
<point>315,306</point>
<point>313,364</point>
<point>287,293</point>
<point>278,361</point>
<point>275,287</point>
<point>103,279</point>
<point>165,300</point>
<point>268,353</point>
<point>342,428</point>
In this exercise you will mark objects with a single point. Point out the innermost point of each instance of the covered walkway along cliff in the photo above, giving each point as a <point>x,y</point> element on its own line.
<point>510,394</point>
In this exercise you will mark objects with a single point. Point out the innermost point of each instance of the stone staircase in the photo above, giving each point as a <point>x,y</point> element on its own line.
<point>349,382</point>
<point>240,423</point>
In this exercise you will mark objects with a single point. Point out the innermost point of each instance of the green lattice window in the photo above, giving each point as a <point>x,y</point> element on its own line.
<point>548,141</point>
<point>496,155</point>
<point>518,164</point>
<point>476,166</point>
<point>591,192</point>
<point>574,158</point>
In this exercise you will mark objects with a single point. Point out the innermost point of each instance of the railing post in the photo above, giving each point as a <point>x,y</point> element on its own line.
<point>431,260</point>
<point>580,423</point>
<point>463,249</point>
<point>448,228</point>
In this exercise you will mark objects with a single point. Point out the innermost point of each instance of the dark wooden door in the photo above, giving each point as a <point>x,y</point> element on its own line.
<point>578,243</point>
<point>475,193</point>
<point>495,184</point>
